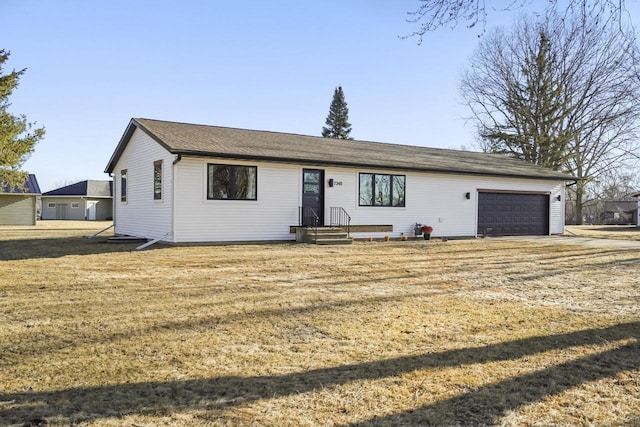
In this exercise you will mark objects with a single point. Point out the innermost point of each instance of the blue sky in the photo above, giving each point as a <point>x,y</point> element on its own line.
<point>92,65</point>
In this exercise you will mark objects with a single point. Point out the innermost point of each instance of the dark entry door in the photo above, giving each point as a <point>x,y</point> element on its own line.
<point>312,196</point>
<point>509,214</point>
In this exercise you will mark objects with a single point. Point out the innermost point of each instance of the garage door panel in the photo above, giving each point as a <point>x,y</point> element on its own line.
<point>513,214</point>
<point>17,210</point>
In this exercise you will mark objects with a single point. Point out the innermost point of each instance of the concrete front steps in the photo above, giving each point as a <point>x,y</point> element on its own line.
<point>325,236</point>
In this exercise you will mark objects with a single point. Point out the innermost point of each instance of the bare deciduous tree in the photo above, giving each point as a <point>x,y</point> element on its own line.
<point>614,185</point>
<point>433,14</point>
<point>558,92</point>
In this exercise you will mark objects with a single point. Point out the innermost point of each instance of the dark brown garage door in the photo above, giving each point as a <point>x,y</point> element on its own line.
<point>510,214</point>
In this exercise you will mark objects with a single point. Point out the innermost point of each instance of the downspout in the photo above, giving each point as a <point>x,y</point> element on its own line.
<point>564,197</point>
<point>113,201</point>
<point>173,196</point>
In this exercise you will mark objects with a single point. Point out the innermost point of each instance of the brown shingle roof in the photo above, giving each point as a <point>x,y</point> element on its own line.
<point>215,141</point>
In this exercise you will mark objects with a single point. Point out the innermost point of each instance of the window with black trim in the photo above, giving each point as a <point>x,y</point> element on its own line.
<point>231,182</point>
<point>382,190</point>
<point>157,180</point>
<point>123,185</point>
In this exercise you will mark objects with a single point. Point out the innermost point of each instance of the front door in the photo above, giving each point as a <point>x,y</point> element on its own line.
<point>312,196</point>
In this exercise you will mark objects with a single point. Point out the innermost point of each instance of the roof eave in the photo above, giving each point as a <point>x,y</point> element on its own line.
<point>294,160</point>
<point>124,140</point>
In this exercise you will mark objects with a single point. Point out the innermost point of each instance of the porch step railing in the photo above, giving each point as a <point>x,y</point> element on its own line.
<point>339,217</point>
<point>307,217</point>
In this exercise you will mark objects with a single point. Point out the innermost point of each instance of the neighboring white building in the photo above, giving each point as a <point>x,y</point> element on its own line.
<point>85,200</point>
<point>194,183</point>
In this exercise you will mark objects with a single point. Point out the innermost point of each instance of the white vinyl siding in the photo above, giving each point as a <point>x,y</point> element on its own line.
<point>141,215</point>
<point>266,218</point>
<point>435,199</point>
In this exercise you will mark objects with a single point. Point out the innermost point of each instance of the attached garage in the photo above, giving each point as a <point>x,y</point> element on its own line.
<point>512,214</point>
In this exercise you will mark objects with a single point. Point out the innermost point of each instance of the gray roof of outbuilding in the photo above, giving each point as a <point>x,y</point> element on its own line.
<point>216,141</point>
<point>86,188</point>
<point>31,186</point>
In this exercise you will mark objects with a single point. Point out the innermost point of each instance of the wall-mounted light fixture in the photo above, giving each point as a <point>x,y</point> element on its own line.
<point>467,195</point>
<point>331,182</point>
<point>559,198</point>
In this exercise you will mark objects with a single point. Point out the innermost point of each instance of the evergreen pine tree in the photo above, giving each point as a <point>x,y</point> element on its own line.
<point>17,136</point>
<point>337,122</point>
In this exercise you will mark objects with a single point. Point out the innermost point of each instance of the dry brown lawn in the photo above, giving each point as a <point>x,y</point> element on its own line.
<point>376,333</point>
<point>617,232</point>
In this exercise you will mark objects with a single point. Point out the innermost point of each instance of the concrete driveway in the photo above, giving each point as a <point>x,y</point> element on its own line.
<point>574,240</point>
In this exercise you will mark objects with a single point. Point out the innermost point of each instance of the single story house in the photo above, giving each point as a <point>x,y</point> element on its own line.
<point>180,182</point>
<point>19,206</point>
<point>637,196</point>
<point>90,199</point>
<point>620,212</point>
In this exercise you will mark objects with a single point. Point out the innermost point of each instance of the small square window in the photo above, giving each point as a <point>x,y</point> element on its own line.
<point>51,205</point>
<point>75,205</point>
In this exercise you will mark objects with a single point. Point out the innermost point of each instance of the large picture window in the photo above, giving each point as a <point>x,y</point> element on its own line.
<point>382,190</point>
<point>231,182</point>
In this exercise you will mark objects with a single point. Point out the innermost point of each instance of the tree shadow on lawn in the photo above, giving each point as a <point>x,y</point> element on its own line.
<point>54,344</point>
<point>22,249</point>
<point>487,404</point>
<point>484,405</point>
